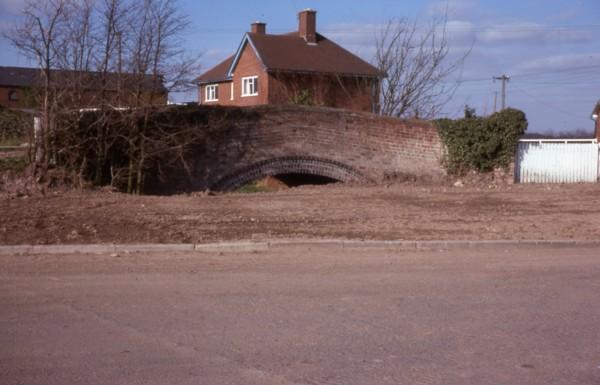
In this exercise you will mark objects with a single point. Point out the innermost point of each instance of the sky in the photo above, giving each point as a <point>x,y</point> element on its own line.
<point>549,48</point>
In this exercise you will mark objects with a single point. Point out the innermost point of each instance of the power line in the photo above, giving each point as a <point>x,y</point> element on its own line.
<point>580,87</point>
<point>551,106</point>
<point>564,79</point>
<point>540,73</point>
<point>531,74</point>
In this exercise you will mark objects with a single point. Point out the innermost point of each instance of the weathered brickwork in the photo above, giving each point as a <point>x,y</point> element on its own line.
<point>340,144</point>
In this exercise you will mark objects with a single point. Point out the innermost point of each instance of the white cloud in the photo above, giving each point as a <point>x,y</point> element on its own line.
<point>561,62</point>
<point>529,32</point>
<point>463,33</point>
<point>457,31</point>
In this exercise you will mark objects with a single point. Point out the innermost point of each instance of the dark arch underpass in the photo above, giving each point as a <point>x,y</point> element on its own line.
<point>290,168</point>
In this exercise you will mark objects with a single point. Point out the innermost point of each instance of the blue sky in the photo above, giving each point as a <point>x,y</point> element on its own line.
<point>550,48</point>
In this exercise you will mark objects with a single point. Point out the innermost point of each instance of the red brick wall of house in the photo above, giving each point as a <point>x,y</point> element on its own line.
<point>6,102</point>
<point>224,95</point>
<point>248,65</point>
<point>349,93</point>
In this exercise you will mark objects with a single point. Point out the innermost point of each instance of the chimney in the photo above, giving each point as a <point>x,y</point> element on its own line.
<point>307,25</point>
<point>258,27</point>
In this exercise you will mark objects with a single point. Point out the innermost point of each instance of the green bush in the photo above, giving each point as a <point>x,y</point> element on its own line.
<point>252,187</point>
<point>13,126</point>
<point>17,164</point>
<point>481,144</point>
<point>303,98</point>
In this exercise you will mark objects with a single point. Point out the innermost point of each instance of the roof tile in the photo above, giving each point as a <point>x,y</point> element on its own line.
<point>291,53</point>
<point>32,77</point>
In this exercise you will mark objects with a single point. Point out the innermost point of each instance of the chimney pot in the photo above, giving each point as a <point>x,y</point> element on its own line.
<point>307,25</point>
<point>258,27</point>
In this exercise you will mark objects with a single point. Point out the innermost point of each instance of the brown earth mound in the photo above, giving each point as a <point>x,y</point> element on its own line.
<point>404,211</point>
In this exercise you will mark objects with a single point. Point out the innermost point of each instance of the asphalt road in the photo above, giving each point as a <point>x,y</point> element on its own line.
<point>303,315</point>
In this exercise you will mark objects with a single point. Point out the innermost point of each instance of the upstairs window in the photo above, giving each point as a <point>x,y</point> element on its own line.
<point>250,86</point>
<point>212,93</point>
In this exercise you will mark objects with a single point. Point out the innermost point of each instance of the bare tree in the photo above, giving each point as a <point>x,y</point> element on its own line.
<point>418,68</point>
<point>155,50</point>
<point>40,37</point>
<point>118,56</point>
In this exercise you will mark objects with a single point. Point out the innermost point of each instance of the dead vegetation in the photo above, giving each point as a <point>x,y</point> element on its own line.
<point>117,57</point>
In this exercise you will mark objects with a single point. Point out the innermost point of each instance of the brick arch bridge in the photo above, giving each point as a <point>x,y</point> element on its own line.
<point>308,165</point>
<point>342,145</point>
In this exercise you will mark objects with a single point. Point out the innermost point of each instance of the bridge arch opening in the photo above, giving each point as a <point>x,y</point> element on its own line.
<point>294,179</point>
<point>292,171</point>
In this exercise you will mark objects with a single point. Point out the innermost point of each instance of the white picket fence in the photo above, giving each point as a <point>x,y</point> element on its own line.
<point>557,161</point>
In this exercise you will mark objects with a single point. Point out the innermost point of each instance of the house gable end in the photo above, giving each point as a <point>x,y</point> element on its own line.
<point>246,41</point>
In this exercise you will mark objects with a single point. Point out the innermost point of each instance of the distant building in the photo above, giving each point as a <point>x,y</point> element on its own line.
<point>19,86</point>
<point>301,67</point>
<point>596,118</point>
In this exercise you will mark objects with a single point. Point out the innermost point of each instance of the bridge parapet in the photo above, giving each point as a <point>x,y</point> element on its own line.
<point>343,145</point>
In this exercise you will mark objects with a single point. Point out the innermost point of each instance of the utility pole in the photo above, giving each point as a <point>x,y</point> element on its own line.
<point>495,98</point>
<point>120,53</point>
<point>504,78</point>
<point>119,68</point>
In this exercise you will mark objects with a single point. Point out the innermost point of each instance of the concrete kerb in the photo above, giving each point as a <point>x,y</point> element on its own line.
<point>257,246</point>
<point>104,248</point>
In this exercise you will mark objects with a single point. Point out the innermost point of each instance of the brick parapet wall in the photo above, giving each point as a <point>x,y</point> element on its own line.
<point>371,145</point>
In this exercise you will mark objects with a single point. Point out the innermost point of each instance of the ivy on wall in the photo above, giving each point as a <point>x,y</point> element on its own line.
<point>481,143</point>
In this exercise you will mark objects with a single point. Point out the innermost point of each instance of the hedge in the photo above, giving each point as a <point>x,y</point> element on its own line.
<point>481,144</point>
<point>13,125</point>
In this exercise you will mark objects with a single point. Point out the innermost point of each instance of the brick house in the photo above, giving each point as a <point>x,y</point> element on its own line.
<point>18,87</point>
<point>302,67</point>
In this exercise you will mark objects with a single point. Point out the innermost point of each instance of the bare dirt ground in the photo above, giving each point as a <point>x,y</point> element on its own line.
<point>402,211</point>
<point>301,315</point>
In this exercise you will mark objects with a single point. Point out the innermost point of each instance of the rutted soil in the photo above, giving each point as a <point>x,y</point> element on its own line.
<point>404,211</point>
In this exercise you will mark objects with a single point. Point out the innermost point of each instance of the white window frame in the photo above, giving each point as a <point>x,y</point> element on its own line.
<point>211,93</point>
<point>250,86</point>
<point>231,92</point>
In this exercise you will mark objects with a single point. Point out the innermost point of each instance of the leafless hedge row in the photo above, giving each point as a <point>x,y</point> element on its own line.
<point>112,55</point>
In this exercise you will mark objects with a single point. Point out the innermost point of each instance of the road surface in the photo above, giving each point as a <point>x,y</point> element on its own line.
<point>322,314</point>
